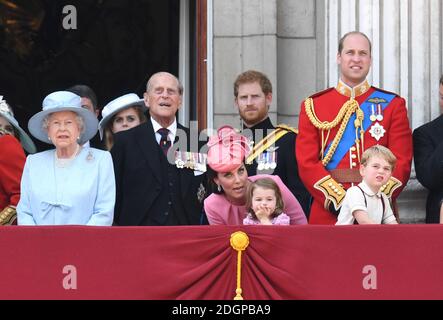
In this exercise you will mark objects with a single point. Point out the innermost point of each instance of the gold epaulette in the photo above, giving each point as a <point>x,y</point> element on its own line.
<point>390,186</point>
<point>332,190</point>
<point>267,142</point>
<point>287,128</point>
<point>8,215</point>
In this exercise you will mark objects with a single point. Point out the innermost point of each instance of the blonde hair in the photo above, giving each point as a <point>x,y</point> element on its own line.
<point>269,184</point>
<point>379,151</point>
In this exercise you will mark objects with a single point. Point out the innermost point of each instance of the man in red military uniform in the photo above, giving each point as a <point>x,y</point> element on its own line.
<point>12,161</point>
<point>338,124</point>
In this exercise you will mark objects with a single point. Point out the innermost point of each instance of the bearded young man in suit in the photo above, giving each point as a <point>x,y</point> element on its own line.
<point>274,147</point>
<point>154,185</point>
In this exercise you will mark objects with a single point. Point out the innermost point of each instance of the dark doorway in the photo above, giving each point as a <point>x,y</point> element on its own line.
<point>117,45</point>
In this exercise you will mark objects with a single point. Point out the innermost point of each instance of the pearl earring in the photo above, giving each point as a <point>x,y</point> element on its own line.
<point>219,188</point>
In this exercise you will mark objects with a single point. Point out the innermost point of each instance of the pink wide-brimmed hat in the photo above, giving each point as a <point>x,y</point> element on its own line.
<point>227,150</point>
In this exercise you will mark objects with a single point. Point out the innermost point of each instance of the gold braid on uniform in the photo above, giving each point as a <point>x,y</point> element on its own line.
<point>8,215</point>
<point>345,113</point>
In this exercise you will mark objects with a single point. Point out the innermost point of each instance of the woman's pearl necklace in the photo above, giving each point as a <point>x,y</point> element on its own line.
<point>64,162</point>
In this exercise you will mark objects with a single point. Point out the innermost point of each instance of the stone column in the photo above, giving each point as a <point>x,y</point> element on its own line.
<point>300,55</point>
<point>244,38</point>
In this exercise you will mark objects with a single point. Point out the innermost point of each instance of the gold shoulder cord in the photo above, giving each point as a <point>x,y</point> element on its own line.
<point>287,128</point>
<point>265,143</point>
<point>343,116</point>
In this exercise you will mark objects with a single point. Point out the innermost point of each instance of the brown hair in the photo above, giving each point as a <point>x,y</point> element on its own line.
<point>342,40</point>
<point>441,80</point>
<point>251,76</point>
<point>265,183</point>
<point>379,151</point>
<point>15,131</point>
<point>109,136</point>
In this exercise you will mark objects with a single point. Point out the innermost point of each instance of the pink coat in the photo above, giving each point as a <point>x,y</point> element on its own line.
<point>220,211</point>
<point>282,219</point>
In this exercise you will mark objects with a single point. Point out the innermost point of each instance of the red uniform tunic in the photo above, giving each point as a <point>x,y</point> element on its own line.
<point>326,106</point>
<point>12,161</point>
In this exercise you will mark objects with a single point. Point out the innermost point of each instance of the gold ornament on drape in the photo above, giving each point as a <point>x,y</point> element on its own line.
<point>239,242</point>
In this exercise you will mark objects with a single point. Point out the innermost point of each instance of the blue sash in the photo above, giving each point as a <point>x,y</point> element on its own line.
<point>348,139</point>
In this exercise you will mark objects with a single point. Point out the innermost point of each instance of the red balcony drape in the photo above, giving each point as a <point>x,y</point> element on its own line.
<point>281,262</point>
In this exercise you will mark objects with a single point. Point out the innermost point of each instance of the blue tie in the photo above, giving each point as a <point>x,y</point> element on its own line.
<point>165,143</point>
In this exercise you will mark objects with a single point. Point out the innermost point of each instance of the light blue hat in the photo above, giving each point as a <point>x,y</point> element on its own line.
<point>117,105</point>
<point>63,101</point>
<point>25,140</point>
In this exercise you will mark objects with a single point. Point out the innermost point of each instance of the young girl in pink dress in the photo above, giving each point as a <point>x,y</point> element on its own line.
<point>265,204</point>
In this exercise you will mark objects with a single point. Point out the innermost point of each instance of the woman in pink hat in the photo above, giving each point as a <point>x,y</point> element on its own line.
<point>229,179</point>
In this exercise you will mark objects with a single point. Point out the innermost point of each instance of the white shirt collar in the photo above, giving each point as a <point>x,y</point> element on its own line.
<point>172,130</point>
<point>366,189</point>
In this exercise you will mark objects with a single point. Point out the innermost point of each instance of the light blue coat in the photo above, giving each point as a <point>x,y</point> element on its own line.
<point>83,193</point>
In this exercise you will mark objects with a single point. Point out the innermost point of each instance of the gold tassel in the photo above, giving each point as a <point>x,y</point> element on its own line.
<point>359,133</point>
<point>239,242</point>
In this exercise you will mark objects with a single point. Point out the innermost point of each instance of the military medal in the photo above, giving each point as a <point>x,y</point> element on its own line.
<point>201,192</point>
<point>377,131</point>
<point>179,163</point>
<point>190,160</point>
<point>372,117</point>
<point>267,160</point>
<point>379,113</point>
<point>273,162</point>
<point>199,162</point>
<point>261,162</point>
<point>260,166</point>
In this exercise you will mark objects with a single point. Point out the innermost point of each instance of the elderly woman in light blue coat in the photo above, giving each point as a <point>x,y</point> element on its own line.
<point>71,184</point>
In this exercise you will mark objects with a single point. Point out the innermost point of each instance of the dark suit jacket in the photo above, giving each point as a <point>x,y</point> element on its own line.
<point>95,142</point>
<point>428,158</point>
<point>287,168</point>
<point>138,174</point>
